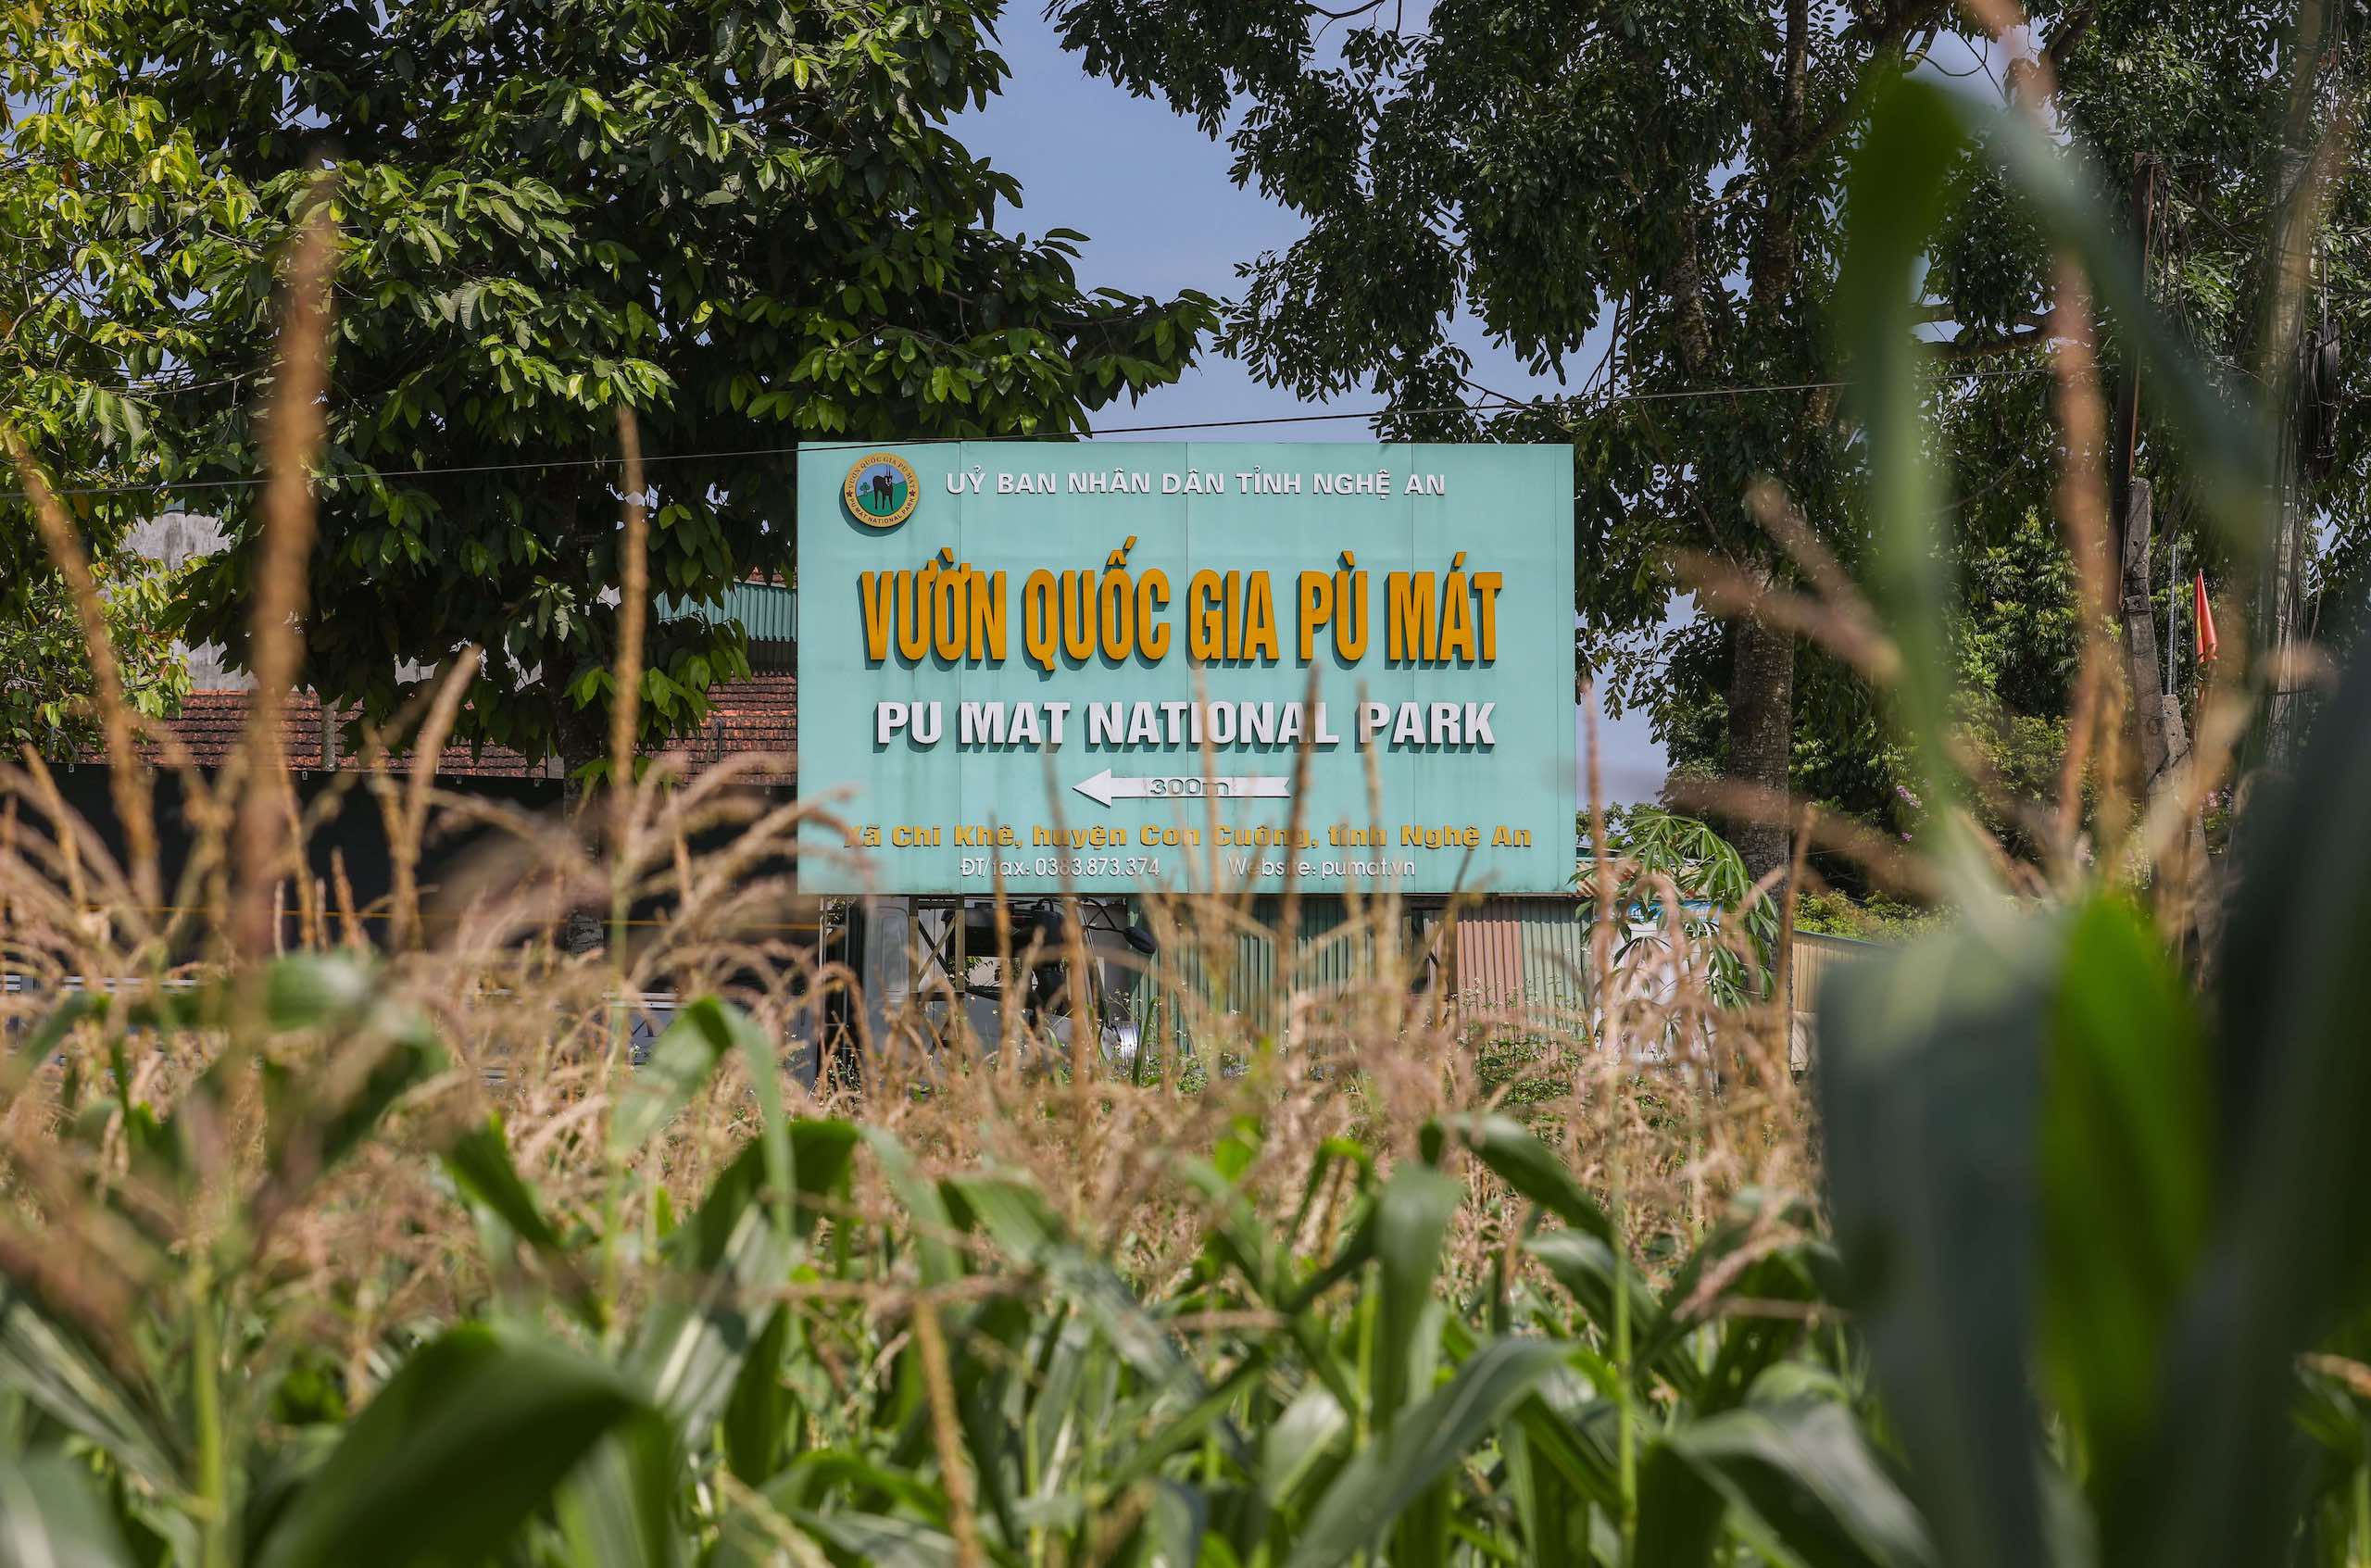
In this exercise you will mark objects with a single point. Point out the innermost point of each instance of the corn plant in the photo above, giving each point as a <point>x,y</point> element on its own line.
<point>2103,1234</point>
<point>955,1379</point>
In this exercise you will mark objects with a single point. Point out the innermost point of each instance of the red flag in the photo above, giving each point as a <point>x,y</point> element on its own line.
<point>2202,616</point>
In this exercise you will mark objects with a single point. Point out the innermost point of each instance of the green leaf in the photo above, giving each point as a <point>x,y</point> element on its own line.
<point>882,1542</point>
<point>1534,1170</point>
<point>479,1163</point>
<point>50,1518</point>
<point>689,1346</point>
<point>942,1261</point>
<point>466,1441</point>
<point>1296,1441</point>
<point>1894,199</point>
<point>616,1510</point>
<point>2290,1254</point>
<point>1420,1447</point>
<point>1018,1219</point>
<point>681,1061</point>
<point>317,1123</point>
<point>711,1344</point>
<point>824,1154</point>
<point>61,1022</point>
<point>1931,1062</point>
<point>1809,1483</point>
<point>1588,1270</point>
<point>310,990</point>
<point>2128,1159</point>
<point>1749,1344</point>
<point>1411,1216</point>
<point>1681,1516</point>
<point>49,1366</point>
<point>758,1413</point>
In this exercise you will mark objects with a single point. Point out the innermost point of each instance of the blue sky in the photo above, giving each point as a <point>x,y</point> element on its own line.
<point>1153,197</point>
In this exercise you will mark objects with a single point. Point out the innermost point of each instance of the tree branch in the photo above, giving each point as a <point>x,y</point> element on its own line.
<point>1959,351</point>
<point>1891,36</point>
<point>2069,33</point>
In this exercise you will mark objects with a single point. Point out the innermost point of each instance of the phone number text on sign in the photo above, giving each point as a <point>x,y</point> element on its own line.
<point>1075,865</point>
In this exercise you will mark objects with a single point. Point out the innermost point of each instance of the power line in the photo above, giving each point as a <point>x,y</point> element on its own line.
<point>1587,405</point>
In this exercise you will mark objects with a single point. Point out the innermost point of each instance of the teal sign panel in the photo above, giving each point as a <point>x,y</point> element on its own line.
<point>1188,667</point>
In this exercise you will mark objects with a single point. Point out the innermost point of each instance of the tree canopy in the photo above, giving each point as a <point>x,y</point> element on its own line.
<point>1655,187</point>
<point>749,223</point>
<point>1647,202</point>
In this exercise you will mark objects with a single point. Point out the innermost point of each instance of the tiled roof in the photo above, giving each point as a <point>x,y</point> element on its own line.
<point>757,714</point>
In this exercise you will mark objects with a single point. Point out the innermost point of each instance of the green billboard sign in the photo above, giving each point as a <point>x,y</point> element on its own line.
<point>1131,666</point>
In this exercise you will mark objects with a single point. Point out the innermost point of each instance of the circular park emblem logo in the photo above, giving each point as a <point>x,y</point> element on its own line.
<point>882,490</point>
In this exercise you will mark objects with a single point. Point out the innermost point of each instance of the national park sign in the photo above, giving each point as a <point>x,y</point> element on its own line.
<point>1187,666</point>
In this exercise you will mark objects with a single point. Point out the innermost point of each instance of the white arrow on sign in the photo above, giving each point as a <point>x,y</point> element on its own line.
<point>1106,787</point>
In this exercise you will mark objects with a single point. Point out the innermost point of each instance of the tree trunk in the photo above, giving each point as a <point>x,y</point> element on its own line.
<point>1762,734</point>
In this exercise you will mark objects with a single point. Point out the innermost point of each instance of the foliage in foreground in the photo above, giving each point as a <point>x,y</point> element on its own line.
<point>955,1379</point>
<point>2059,1183</point>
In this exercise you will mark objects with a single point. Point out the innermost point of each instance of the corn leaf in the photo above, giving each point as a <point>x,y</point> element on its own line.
<point>2289,1252</point>
<point>2127,1162</point>
<point>466,1441</point>
<point>1931,1062</point>
<point>52,1368</point>
<point>49,1517</point>
<point>1420,1447</point>
<point>1807,1482</point>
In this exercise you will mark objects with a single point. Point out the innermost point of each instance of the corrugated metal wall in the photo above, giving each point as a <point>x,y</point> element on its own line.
<point>1507,952</point>
<point>1512,951</point>
<point>1242,978</point>
<point>1816,957</point>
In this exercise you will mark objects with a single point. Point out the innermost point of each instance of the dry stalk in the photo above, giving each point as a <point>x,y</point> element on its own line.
<point>293,432</point>
<point>944,1432</point>
<point>134,807</point>
<point>633,612</point>
<point>2098,714</point>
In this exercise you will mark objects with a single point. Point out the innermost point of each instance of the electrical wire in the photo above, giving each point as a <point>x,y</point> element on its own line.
<point>1591,406</point>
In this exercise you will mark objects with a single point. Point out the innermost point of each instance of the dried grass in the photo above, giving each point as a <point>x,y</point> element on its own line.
<point>1665,1103</point>
<point>1651,1092</point>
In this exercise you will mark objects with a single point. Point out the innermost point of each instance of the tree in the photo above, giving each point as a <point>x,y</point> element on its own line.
<point>1653,192</point>
<point>2243,122</point>
<point>749,223</point>
<point>1656,182</point>
<point>106,207</point>
<point>47,686</point>
<point>1647,849</point>
<point>2200,122</point>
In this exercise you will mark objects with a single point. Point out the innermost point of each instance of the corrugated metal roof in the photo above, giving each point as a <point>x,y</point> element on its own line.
<point>767,611</point>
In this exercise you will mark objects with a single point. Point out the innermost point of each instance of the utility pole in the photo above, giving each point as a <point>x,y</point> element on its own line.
<point>2157,713</point>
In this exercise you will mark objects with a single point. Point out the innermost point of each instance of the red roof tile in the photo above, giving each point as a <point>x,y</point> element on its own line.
<point>759,714</point>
